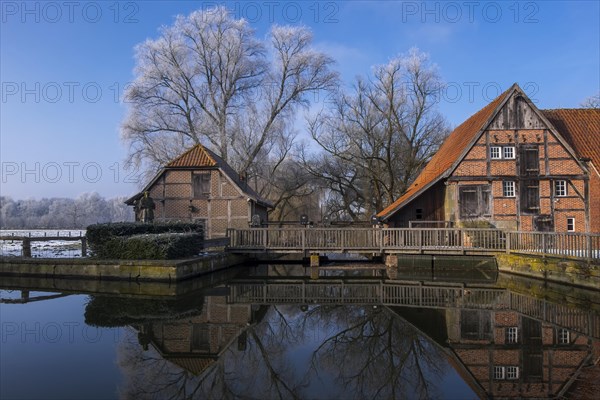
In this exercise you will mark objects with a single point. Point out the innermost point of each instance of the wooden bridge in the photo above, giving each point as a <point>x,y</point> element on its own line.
<point>410,294</point>
<point>413,241</point>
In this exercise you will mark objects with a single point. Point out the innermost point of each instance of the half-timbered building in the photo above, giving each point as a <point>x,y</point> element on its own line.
<point>200,185</point>
<point>511,166</point>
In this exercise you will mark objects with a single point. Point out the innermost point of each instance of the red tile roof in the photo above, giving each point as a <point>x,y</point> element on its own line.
<point>195,157</point>
<point>580,127</point>
<point>200,157</point>
<point>449,153</point>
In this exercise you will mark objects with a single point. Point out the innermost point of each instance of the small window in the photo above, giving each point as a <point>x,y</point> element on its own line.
<point>499,372</point>
<point>509,152</point>
<point>419,213</point>
<point>560,188</point>
<point>201,185</point>
<point>508,189</point>
<point>512,372</point>
<point>570,224</point>
<point>563,336</point>
<point>495,153</point>
<point>512,335</point>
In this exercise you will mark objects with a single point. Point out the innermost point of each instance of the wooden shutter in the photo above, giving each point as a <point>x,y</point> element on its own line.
<point>530,160</point>
<point>530,196</point>
<point>468,202</point>
<point>201,185</point>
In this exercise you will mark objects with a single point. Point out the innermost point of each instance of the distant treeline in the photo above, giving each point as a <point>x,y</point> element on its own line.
<point>62,213</point>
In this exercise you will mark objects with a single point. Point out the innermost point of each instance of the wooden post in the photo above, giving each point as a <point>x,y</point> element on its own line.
<point>507,239</point>
<point>304,240</point>
<point>83,247</point>
<point>26,247</point>
<point>544,249</point>
<point>314,260</point>
<point>590,250</point>
<point>391,261</point>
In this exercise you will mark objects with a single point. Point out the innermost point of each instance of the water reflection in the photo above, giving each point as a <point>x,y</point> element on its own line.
<point>323,352</point>
<point>288,331</point>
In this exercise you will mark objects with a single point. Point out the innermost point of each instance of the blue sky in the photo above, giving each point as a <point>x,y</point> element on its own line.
<point>63,66</point>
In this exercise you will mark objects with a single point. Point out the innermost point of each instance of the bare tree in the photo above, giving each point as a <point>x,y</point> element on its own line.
<point>376,138</point>
<point>208,79</point>
<point>591,102</point>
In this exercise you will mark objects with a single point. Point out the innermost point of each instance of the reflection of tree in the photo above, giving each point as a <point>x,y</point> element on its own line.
<point>264,369</point>
<point>339,351</point>
<point>147,374</point>
<point>377,355</point>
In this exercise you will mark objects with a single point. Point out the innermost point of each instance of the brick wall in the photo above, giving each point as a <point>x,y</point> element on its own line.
<point>225,207</point>
<point>554,161</point>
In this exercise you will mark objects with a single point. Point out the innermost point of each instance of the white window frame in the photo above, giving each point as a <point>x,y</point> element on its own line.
<point>571,222</point>
<point>509,189</point>
<point>499,372</point>
<point>495,153</point>
<point>560,188</point>
<point>512,334</point>
<point>508,155</point>
<point>564,336</point>
<point>512,372</point>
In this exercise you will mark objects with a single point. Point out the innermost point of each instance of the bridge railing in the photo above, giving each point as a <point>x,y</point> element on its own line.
<point>473,240</point>
<point>578,245</point>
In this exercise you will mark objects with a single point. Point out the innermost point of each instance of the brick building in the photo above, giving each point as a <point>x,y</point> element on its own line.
<point>508,355</point>
<point>200,185</point>
<point>511,166</point>
<point>195,343</point>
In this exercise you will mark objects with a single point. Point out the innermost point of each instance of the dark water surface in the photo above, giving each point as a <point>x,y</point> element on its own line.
<point>288,331</point>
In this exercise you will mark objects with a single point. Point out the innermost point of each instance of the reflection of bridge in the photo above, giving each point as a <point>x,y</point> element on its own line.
<point>414,295</point>
<point>413,240</point>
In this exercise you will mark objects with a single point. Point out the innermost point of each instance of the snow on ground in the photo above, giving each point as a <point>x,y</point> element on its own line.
<point>47,249</point>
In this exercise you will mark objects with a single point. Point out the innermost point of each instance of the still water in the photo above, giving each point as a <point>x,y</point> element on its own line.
<point>288,331</point>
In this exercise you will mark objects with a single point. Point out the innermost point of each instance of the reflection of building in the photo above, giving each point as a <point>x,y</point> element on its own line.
<point>511,355</point>
<point>200,185</point>
<point>196,342</point>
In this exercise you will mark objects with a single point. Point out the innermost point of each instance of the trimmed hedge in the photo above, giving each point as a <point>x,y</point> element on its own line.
<point>111,312</point>
<point>138,241</point>
<point>99,232</point>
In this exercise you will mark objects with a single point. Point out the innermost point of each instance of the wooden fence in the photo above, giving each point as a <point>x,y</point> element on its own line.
<point>414,240</point>
<point>26,241</point>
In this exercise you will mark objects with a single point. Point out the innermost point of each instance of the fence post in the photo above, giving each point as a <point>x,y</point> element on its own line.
<point>304,240</point>
<point>83,247</point>
<point>589,247</point>
<point>544,249</point>
<point>507,240</point>
<point>26,247</point>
